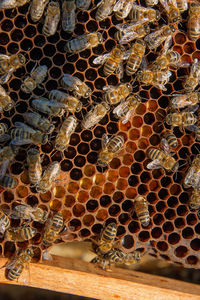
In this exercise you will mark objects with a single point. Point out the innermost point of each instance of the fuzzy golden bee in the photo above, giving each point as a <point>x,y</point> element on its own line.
<point>192,178</point>
<point>37,9</point>
<point>153,77</point>
<point>171,8</point>
<point>130,31</point>
<point>83,42</point>
<point>141,209</point>
<point>194,201</point>
<point>194,21</point>
<point>105,8</point>
<point>23,134</point>
<point>6,103</point>
<point>95,115</point>
<point>83,4</point>
<point>9,4</point>
<point>26,212</point>
<point>47,107</point>
<point>4,222</point>
<point>50,175</point>
<point>52,18</point>
<point>107,239</point>
<point>9,64</point>
<point>183,100</point>
<point>193,78</point>
<point>67,129</point>
<point>122,8</point>
<point>7,154</point>
<point>35,120</point>
<point>36,77</point>
<point>170,139</point>
<point>126,108</point>
<point>137,52</point>
<point>76,86</point>
<point>154,39</point>
<point>116,94</point>
<point>68,15</point>
<point>34,166</point>
<point>21,233</point>
<point>110,148</point>
<point>52,229</point>
<point>67,102</point>
<point>15,267</point>
<point>143,14</point>
<point>8,181</point>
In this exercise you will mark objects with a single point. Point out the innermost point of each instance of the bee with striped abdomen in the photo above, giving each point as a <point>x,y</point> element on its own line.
<point>105,8</point>
<point>137,52</point>
<point>15,267</point>
<point>8,181</point>
<point>171,8</point>
<point>143,14</point>
<point>52,18</point>
<point>194,21</point>
<point>24,134</point>
<point>52,229</point>
<point>122,8</point>
<point>36,77</point>
<point>194,201</point>
<point>34,166</point>
<point>26,212</point>
<point>154,39</point>
<point>49,176</point>
<point>170,139</point>
<point>95,115</point>
<point>67,129</point>
<point>7,154</point>
<point>192,178</point>
<point>37,9</point>
<point>107,239</point>
<point>48,107</point>
<point>76,86</point>
<point>130,31</point>
<point>9,64</point>
<point>83,42</point>
<point>193,78</point>
<point>4,222</point>
<point>68,15</point>
<point>141,209</point>
<point>116,94</point>
<point>35,120</point>
<point>182,5</point>
<point>153,77</point>
<point>3,132</point>
<point>183,100</point>
<point>6,103</point>
<point>67,102</point>
<point>110,148</point>
<point>21,233</point>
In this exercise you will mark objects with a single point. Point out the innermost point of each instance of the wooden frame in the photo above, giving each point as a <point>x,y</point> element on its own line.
<point>81,278</point>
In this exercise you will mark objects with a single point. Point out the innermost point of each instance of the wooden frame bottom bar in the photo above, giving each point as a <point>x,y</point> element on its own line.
<point>80,278</point>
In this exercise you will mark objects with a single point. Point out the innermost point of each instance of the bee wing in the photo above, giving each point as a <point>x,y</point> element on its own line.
<point>167,44</point>
<point>10,265</point>
<point>4,167</point>
<point>19,142</point>
<point>165,145</point>
<point>191,108</point>
<point>155,164</point>
<point>128,116</point>
<point>139,8</point>
<point>24,126</point>
<point>53,103</point>
<point>165,4</point>
<point>4,137</point>
<point>192,128</point>
<point>46,255</point>
<point>109,88</point>
<point>182,64</point>
<point>127,54</point>
<point>3,57</point>
<point>101,59</point>
<point>117,109</point>
<point>118,5</point>
<point>4,78</point>
<point>127,27</point>
<point>143,64</point>
<point>120,70</point>
<point>105,140</point>
<point>128,37</point>
<point>195,66</point>
<point>172,2</point>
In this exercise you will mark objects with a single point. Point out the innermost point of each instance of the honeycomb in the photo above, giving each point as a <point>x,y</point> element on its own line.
<point>91,197</point>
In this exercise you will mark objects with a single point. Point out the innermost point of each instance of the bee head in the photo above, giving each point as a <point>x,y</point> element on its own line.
<point>22,58</point>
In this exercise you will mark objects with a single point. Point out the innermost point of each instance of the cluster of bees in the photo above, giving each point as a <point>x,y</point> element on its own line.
<point>133,37</point>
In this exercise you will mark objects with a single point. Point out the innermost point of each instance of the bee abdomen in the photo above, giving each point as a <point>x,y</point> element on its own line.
<point>132,64</point>
<point>142,212</point>
<point>3,128</point>
<point>194,28</point>
<point>154,153</point>
<point>57,221</point>
<point>14,273</point>
<point>116,143</point>
<point>28,233</point>
<point>171,139</point>
<point>110,232</point>
<point>8,181</point>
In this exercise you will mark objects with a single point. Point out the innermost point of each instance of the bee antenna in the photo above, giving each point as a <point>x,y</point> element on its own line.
<point>197,149</point>
<point>54,153</point>
<point>163,20</point>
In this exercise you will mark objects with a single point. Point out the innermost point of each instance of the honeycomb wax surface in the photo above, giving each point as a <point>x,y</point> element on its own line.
<point>88,196</point>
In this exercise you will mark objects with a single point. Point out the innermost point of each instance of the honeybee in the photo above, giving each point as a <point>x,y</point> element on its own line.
<point>9,64</point>
<point>7,4</point>
<point>104,10</point>
<point>70,103</point>
<point>37,9</point>
<point>29,213</point>
<point>67,129</point>
<point>130,31</point>
<point>52,229</point>
<point>151,2</point>
<point>7,154</point>
<point>83,4</point>
<point>192,178</point>
<point>107,239</point>
<point>3,132</point>
<point>36,77</point>
<point>183,119</point>
<point>182,5</point>
<point>21,233</point>
<point>169,58</point>
<point>173,13</point>
<point>162,159</point>
<point>141,209</point>
<point>112,61</point>
<point>15,267</point>
<point>8,181</point>
<point>183,100</point>
<point>195,199</point>
<point>122,8</point>
<point>24,134</point>
<point>47,107</point>
<point>116,94</point>
<point>154,39</point>
<point>68,15</point>
<point>83,42</point>
<point>6,103</point>
<point>4,222</point>
<point>126,108</point>
<point>110,148</point>
<point>136,54</point>
<point>154,77</point>
<point>34,166</point>
<point>170,139</point>
<point>49,176</point>
<point>143,14</point>
<point>193,78</point>
<point>34,119</point>
<point>74,84</point>
<point>52,19</point>
<point>95,115</point>
<point>194,21</point>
